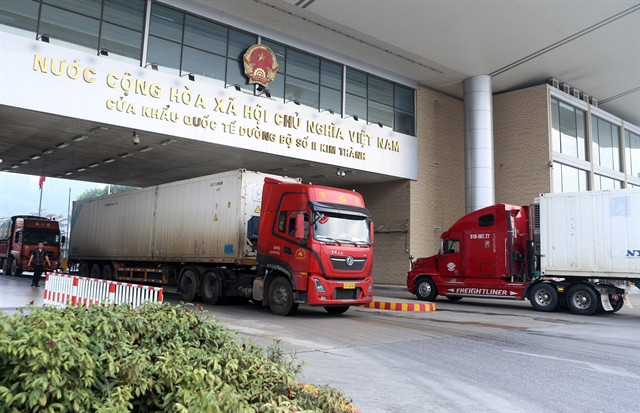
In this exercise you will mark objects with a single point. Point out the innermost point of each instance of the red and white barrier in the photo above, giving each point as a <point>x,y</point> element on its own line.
<point>61,290</point>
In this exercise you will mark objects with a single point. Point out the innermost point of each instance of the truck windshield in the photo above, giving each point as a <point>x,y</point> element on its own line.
<point>47,237</point>
<point>342,229</point>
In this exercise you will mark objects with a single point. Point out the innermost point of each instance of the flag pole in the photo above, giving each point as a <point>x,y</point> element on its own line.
<point>40,204</point>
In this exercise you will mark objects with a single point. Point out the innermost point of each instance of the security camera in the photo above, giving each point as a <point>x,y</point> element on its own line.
<point>135,139</point>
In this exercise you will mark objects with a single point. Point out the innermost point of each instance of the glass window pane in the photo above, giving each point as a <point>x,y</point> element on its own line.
<point>557,178</point>
<point>239,42</point>
<point>377,112</point>
<point>404,122</point>
<point>615,147</point>
<point>70,28</point>
<point>205,64</point>
<point>555,126</point>
<point>404,98</point>
<point>356,105</point>
<point>88,7</point>
<point>235,75</point>
<point>305,92</point>
<point>331,99</point>
<point>570,180</point>
<point>331,75</point>
<point>205,35</point>
<point>303,66</point>
<point>21,14</point>
<point>604,139</point>
<point>595,141</point>
<point>632,152</point>
<point>166,22</point>
<point>121,42</point>
<point>567,119</point>
<point>380,90</point>
<point>356,82</point>
<point>582,136</point>
<point>165,53</point>
<point>128,13</point>
<point>276,88</point>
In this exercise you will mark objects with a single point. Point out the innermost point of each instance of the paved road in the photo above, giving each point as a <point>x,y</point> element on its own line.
<point>473,355</point>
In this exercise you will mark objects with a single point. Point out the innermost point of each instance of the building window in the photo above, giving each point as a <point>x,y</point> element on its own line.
<point>569,179</point>
<point>605,144</point>
<point>568,130</point>
<point>376,100</point>
<point>601,183</point>
<point>19,17</point>
<point>632,152</point>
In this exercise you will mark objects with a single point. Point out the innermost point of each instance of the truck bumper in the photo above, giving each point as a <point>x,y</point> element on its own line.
<point>321,291</point>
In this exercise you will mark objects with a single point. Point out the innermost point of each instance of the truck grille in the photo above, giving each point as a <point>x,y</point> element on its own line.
<point>348,263</point>
<point>346,294</point>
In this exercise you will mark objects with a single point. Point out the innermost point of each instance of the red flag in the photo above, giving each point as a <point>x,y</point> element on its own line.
<point>42,179</point>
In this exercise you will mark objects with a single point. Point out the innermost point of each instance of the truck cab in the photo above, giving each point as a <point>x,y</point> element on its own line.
<point>20,234</point>
<point>315,244</point>
<point>482,254</point>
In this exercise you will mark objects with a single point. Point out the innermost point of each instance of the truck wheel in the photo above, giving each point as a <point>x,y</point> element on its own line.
<point>281,297</point>
<point>543,297</point>
<point>425,289</point>
<point>107,272</point>
<point>3,262</point>
<point>337,310</point>
<point>616,301</point>
<point>211,288</point>
<point>14,270</point>
<point>188,285</point>
<point>96,271</point>
<point>582,299</point>
<point>83,269</point>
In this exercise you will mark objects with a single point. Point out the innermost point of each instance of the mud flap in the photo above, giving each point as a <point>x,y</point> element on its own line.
<point>604,299</point>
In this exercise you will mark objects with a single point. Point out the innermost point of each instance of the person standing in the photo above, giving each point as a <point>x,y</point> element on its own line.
<point>38,256</point>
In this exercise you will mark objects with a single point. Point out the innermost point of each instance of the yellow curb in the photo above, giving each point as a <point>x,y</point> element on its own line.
<point>386,305</point>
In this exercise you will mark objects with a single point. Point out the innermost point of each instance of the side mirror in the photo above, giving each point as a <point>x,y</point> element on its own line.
<point>299,226</point>
<point>63,239</point>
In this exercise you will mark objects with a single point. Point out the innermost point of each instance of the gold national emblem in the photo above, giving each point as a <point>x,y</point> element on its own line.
<point>260,65</point>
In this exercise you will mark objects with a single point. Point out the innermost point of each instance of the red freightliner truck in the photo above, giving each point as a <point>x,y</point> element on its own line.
<point>20,234</point>
<point>235,234</point>
<point>575,250</point>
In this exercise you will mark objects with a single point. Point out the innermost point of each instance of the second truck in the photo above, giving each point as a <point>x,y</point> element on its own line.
<point>235,234</point>
<point>566,250</point>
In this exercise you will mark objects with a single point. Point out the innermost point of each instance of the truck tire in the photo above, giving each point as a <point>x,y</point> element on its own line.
<point>96,271</point>
<point>543,297</point>
<point>281,297</point>
<point>3,265</point>
<point>188,285</point>
<point>13,268</point>
<point>83,269</point>
<point>337,309</point>
<point>107,272</point>
<point>425,289</point>
<point>211,287</point>
<point>582,299</point>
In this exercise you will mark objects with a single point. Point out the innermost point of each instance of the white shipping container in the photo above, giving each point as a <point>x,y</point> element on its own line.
<point>202,219</point>
<point>593,234</point>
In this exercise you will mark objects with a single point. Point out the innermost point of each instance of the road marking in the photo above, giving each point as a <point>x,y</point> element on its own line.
<point>589,366</point>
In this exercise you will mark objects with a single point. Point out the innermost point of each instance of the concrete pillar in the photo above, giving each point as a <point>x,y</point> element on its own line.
<point>478,143</point>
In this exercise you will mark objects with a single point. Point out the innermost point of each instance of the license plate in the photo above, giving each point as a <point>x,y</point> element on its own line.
<point>349,286</point>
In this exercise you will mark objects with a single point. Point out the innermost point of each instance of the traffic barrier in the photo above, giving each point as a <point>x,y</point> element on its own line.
<point>61,290</point>
<point>385,305</point>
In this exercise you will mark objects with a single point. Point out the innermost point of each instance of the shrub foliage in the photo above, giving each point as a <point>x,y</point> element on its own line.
<point>155,358</point>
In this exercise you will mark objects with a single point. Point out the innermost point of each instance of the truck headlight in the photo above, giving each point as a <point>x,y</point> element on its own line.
<point>319,287</point>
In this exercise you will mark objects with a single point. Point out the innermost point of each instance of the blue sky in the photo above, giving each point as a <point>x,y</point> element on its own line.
<point>19,194</point>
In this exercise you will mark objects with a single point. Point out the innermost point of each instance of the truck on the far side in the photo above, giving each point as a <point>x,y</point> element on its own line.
<point>566,250</point>
<point>268,238</point>
<point>20,234</point>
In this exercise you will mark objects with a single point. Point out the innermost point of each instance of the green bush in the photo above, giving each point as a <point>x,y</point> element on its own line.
<point>155,358</point>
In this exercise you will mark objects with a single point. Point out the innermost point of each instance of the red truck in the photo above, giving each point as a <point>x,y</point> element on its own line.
<point>20,234</point>
<point>575,250</point>
<point>235,234</point>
